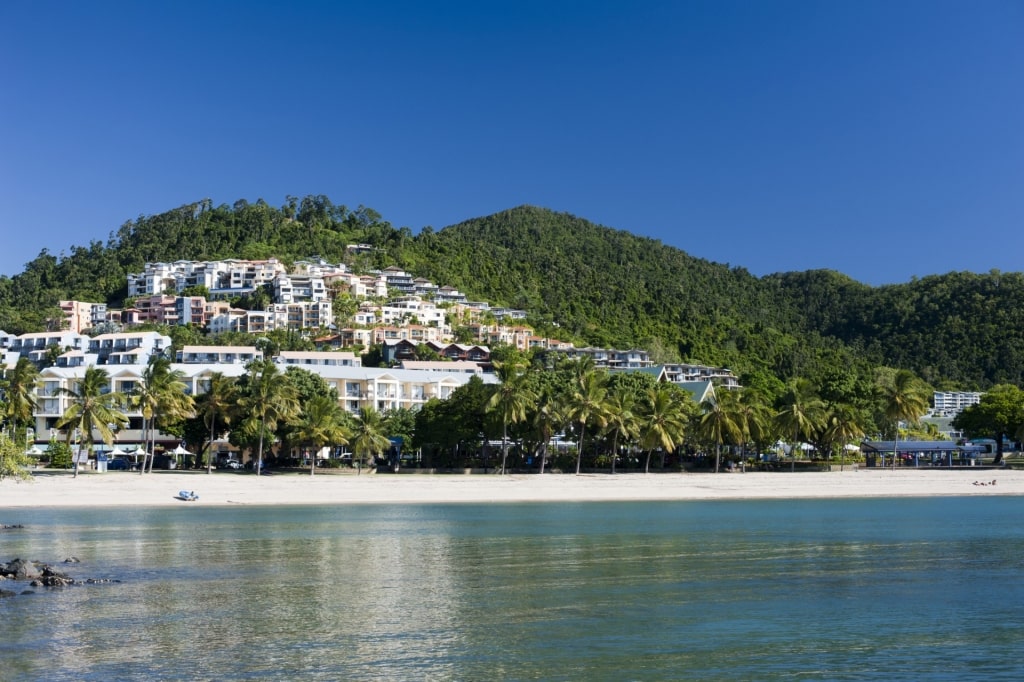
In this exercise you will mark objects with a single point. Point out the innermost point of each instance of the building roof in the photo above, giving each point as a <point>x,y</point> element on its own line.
<point>919,446</point>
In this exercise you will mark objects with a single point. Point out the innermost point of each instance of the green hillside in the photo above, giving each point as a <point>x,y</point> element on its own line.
<point>590,284</point>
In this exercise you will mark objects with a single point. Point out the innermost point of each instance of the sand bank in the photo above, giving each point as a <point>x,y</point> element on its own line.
<point>126,489</point>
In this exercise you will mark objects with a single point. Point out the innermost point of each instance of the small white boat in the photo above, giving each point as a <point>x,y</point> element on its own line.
<point>187,495</point>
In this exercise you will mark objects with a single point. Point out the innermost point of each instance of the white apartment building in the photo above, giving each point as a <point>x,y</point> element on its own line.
<point>158,278</point>
<point>684,373</point>
<point>307,359</point>
<point>217,355</point>
<point>127,348</point>
<point>952,403</point>
<point>35,345</point>
<point>296,288</point>
<point>357,387</point>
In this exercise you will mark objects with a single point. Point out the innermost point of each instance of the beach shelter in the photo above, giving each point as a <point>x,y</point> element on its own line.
<point>180,452</point>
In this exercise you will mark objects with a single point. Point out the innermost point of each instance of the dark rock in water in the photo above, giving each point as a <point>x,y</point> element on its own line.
<point>7,593</point>
<point>52,581</point>
<point>43,575</point>
<point>11,526</point>
<point>72,560</point>
<point>21,569</point>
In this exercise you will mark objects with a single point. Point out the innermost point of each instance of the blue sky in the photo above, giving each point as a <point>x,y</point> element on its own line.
<point>880,139</point>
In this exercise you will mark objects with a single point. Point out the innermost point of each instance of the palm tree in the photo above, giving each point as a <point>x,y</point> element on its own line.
<point>511,400</point>
<point>906,399</point>
<point>721,422</point>
<point>160,396</point>
<point>368,437</point>
<point>549,417</point>
<point>662,421</point>
<point>93,408</point>
<point>586,403</point>
<point>218,402</point>
<point>843,423</point>
<point>320,423</point>
<point>755,418</point>
<point>19,389</point>
<point>621,419</point>
<point>270,400</point>
<point>799,414</point>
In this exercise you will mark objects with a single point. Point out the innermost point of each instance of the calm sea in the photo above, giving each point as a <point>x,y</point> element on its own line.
<point>914,589</point>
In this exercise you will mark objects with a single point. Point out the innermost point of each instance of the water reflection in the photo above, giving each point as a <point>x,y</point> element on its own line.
<point>763,590</point>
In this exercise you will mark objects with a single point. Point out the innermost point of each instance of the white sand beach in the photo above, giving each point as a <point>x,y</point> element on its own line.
<point>126,489</point>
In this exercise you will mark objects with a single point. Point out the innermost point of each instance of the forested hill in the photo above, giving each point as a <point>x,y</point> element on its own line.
<point>591,284</point>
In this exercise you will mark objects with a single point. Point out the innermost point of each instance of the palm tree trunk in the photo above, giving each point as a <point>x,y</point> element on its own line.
<point>504,447</point>
<point>145,444</point>
<point>579,450</point>
<point>209,454</point>
<point>718,456</point>
<point>259,453</point>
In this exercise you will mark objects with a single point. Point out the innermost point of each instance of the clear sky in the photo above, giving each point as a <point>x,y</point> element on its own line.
<point>881,139</point>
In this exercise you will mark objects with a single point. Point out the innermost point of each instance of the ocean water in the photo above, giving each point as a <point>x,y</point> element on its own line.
<point>881,589</point>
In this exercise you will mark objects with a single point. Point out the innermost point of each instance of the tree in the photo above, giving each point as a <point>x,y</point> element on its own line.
<point>549,416</point>
<point>999,413</point>
<point>663,417</point>
<point>320,423</point>
<point>161,398</point>
<point>511,399</point>
<point>799,414</point>
<point>93,409</point>
<point>219,402</point>
<point>587,403</point>
<point>368,438</point>
<point>19,392</point>
<point>905,399</point>
<point>843,423</point>
<point>721,422</point>
<point>755,417</point>
<point>621,418</point>
<point>269,401</point>
<point>13,460</point>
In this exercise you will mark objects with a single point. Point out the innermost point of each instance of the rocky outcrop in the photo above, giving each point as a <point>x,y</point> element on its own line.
<point>39,574</point>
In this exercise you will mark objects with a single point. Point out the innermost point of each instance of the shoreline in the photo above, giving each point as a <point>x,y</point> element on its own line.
<point>123,489</point>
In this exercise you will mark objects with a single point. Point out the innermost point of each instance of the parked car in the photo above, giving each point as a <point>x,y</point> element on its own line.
<point>230,464</point>
<point>118,464</point>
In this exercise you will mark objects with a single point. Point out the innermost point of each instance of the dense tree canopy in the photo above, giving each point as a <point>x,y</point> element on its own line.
<point>589,284</point>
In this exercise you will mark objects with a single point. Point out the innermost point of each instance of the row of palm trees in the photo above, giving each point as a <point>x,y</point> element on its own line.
<point>663,418</point>
<point>264,405</point>
<point>256,408</point>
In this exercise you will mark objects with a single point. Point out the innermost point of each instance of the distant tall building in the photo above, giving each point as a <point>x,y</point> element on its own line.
<point>952,403</point>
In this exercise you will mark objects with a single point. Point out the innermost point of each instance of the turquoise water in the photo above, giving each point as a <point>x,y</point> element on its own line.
<point>921,589</point>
